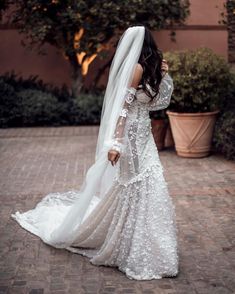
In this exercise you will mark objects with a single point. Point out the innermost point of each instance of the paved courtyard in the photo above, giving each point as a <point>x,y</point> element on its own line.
<point>37,161</point>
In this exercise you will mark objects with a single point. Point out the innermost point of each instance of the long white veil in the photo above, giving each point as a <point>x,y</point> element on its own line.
<point>100,176</point>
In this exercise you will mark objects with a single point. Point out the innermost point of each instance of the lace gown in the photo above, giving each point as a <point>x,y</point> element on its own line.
<point>133,228</point>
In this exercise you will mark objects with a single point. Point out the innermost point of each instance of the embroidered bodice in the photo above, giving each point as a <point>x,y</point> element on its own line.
<point>137,106</point>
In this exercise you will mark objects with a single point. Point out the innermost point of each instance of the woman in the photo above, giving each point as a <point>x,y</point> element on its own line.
<point>123,215</point>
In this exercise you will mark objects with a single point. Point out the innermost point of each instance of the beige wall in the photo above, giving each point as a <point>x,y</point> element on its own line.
<point>52,68</point>
<point>202,29</point>
<point>194,38</point>
<point>205,12</point>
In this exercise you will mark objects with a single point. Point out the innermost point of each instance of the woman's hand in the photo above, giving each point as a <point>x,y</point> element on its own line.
<point>165,66</point>
<point>113,156</point>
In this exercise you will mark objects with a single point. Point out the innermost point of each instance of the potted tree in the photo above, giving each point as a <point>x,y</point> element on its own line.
<point>201,81</point>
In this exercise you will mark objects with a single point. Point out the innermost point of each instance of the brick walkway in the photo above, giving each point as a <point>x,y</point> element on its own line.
<point>36,161</point>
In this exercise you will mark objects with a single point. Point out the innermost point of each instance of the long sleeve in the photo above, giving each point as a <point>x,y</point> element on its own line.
<point>118,136</point>
<point>162,100</point>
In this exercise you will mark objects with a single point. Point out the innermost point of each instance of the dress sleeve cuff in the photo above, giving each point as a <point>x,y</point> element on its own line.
<point>117,146</point>
<point>114,145</point>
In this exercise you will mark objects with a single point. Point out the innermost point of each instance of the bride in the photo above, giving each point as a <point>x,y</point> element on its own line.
<point>122,216</point>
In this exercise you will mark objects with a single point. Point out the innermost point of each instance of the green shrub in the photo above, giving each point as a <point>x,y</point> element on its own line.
<point>38,108</point>
<point>225,134</point>
<point>202,80</point>
<point>30,102</point>
<point>10,111</point>
<point>33,82</point>
<point>86,109</point>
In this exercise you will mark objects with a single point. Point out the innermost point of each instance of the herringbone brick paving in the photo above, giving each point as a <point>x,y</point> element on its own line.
<point>37,161</point>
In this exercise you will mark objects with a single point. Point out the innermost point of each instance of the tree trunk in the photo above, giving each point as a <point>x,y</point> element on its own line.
<point>77,78</point>
<point>77,81</point>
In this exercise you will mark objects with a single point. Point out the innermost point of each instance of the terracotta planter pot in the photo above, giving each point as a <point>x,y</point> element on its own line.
<point>192,132</point>
<point>169,141</point>
<point>159,127</point>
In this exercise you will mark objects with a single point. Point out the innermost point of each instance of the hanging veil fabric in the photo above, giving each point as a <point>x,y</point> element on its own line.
<point>57,217</point>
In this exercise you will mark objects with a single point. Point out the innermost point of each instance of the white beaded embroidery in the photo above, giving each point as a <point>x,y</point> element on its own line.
<point>135,229</point>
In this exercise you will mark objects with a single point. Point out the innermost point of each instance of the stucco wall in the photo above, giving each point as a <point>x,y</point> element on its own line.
<point>202,29</point>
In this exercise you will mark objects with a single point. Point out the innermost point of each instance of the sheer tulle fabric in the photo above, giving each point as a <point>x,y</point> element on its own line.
<point>100,175</point>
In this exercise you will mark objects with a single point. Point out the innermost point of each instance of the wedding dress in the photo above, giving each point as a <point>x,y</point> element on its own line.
<point>133,226</point>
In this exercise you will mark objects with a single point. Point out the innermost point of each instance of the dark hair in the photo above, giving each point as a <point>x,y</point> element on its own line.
<point>151,60</point>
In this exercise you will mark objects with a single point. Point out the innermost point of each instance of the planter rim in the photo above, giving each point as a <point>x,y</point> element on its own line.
<point>174,113</point>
